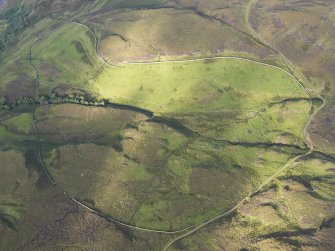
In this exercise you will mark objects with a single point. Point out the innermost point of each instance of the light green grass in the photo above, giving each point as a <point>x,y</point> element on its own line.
<point>148,214</point>
<point>66,55</point>
<point>197,86</point>
<point>22,122</point>
<point>280,124</point>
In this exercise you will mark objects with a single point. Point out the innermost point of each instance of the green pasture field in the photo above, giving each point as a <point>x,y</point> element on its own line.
<point>207,85</point>
<point>23,122</point>
<point>66,55</point>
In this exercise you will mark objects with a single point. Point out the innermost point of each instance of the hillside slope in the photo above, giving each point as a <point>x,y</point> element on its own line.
<point>167,125</point>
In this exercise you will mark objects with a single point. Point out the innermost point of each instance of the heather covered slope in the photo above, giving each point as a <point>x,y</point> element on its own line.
<point>166,125</point>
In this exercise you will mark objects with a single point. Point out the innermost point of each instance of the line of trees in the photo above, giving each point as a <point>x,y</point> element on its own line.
<point>4,104</point>
<point>50,99</point>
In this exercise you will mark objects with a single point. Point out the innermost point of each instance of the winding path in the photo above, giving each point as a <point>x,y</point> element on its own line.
<point>286,165</point>
<point>289,162</point>
<point>186,60</point>
<point>45,170</point>
<point>192,228</point>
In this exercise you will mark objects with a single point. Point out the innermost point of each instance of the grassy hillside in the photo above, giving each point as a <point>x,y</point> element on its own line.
<point>110,162</point>
<point>131,125</point>
<point>205,85</point>
<point>67,46</point>
<point>294,213</point>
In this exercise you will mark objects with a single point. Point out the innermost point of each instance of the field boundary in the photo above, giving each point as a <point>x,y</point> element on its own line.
<point>221,214</point>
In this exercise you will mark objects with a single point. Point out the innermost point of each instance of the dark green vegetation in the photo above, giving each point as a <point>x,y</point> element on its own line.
<point>103,146</point>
